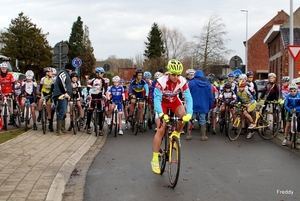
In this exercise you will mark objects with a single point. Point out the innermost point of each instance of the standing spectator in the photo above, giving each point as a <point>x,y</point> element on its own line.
<point>61,94</point>
<point>201,91</point>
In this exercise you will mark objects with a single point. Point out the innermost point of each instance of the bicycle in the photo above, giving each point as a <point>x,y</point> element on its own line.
<point>6,110</point>
<point>17,114</point>
<point>225,121</point>
<point>145,116</point>
<point>170,151</point>
<point>44,112</point>
<point>293,130</point>
<point>114,120</point>
<point>75,117</point>
<point>27,113</point>
<point>95,117</point>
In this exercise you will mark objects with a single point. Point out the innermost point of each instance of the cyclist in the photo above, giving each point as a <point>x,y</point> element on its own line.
<point>271,89</point>
<point>29,88</point>
<point>46,88</point>
<point>243,78</point>
<point>116,96</point>
<point>227,96</point>
<point>247,100</point>
<point>97,88</point>
<point>166,93</point>
<point>201,92</point>
<point>17,88</point>
<point>233,83</point>
<point>53,74</point>
<point>138,88</point>
<point>190,73</point>
<point>251,85</point>
<point>7,85</point>
<point>75,95</point>
<point>237,78</point>
<point>220,83</point>
<point>291,102</point>
<point>284,92</point>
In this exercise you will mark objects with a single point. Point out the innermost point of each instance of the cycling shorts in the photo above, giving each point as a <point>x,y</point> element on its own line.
<point>173,106</point>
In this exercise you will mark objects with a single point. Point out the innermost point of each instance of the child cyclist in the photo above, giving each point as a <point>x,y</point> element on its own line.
<point>284,92</point>
<point>116,95</point>
<point>291,103</point>
<point>246,99</point>
<point>227,96</point>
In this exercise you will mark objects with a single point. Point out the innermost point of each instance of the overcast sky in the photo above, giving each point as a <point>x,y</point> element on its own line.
<point>120,27</point>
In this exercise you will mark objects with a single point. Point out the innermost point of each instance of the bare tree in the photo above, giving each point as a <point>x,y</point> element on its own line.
<point>209,48</point>
<point>139,60</point>
<point>175,43</point>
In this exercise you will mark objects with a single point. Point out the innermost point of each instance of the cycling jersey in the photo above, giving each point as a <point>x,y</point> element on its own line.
<point>244,97</point>
<point>46,85</point>
<point>271,90</point>
<point>116,93</point>
<point>167,91</point>
<point>29,87</point>
<point>292,102</point>
<point>7,83</point>
<point>97,85</point>
<point>284,91</point>
<point>227,96</point>
<point>75,91</point>
<point>138,87</point>
<point>17,88</point>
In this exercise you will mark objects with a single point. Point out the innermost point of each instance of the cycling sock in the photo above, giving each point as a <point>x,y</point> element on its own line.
<point>155,156</point>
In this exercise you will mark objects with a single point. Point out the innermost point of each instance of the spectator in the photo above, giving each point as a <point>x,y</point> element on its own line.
<point>61,94</point>
<point>201,91</point>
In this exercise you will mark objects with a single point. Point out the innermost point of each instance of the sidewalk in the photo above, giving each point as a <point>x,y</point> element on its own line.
<point>35,166</point>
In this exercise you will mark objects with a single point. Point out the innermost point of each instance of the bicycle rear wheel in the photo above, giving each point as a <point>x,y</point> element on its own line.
<point>44,119</point>
<point>174,161</point>
<point>271,126</point>
<point>234,129</point>
<point>75,119</point>
<point>162,157</point>
<point>5,116</point>
<point>17,117</point>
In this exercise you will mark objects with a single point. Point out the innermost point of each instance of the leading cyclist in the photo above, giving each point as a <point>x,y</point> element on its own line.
<point>166,93</point>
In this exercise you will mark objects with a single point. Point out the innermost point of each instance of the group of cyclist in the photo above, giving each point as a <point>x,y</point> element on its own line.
<point>167,91</point>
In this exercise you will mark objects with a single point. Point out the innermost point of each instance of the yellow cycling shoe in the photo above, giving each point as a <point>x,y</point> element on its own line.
<point>155,167</point>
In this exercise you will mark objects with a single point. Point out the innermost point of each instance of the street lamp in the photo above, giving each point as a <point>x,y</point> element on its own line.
<point>246,49</point>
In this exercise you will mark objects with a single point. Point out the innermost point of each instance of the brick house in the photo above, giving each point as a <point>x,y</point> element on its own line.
<point>277,40</point>
<point>258,53</point>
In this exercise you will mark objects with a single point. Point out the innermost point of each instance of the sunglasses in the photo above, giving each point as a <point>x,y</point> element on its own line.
<point>175,75</point>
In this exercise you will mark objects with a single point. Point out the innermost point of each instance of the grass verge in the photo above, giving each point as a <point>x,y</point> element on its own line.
<point>7,135</point>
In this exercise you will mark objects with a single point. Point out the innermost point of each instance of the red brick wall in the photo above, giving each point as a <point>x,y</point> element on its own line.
<point>258,53</point>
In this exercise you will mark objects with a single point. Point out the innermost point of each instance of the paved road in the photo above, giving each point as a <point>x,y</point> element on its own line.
<point>217,169</point>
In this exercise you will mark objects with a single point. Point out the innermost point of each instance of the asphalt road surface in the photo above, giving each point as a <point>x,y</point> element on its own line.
<point>217,169</point>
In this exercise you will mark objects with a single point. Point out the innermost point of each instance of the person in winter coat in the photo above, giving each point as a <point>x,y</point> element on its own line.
<point>201,92</point>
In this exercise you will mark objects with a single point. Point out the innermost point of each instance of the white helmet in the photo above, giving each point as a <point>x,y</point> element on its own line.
<point>293,86</point>
<point>272,75</point>
<point>296,81</point>
<point>54,71</point>
<point>243,76</point>
<point>190,71</point>
<point>158,75</point>
<point>116,79</point>
<point>3,65</point>
<point>29,74</point>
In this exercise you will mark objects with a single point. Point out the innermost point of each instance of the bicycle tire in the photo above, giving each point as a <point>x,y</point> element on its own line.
<point>136,126</point>
<point>226,121</point>
<point>293,134</point>
<point>110,125</point>
<point>44,119</point>
<point>96,123</point>
<point>234,133</point>
<point>221,124</point>
<point>162,157</point>
<point>75,119</point>
<point>174,161</point>
<point>5,116</point>
<point>116,122</point>
<point>26,118</point>
<point>145,117</point>
<point>17,117</point>
<point>270,132</point>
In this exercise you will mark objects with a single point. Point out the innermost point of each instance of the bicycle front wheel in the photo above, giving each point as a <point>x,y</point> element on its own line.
<point>269,124</point>
<point>5,116</point>
<point>44,119</point>
<point>234,129</point>
<point>115,122</point>
<point>174,161</point>
<point>75,119</point>
<point>227,121</point>
<point>96,127</point>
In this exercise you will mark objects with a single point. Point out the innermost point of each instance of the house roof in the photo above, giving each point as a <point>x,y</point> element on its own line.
<point>285,35</point>
<point>272,33</point>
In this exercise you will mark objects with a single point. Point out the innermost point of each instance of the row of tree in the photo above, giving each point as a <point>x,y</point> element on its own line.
<point>24,41</point>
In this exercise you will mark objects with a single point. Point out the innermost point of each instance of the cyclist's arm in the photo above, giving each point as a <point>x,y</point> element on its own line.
<point>189,101</point>
<point>146,87</point>
<point>130,90</point>
<point>157,100</point>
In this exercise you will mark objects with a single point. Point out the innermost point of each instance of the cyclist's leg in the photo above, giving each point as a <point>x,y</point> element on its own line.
<point>214,119</point>
<point>141,111</point>
<point>287,128</point>
<point>179,112</point>
<point>120,113</point>
<point>32,108</point>
<point>109,112</point>
<point>71,115</point>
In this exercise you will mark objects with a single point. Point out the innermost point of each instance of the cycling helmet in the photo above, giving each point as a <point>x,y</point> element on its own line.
<point>54,71</point>
<point>147,74</point>
<point>297,80</point>
<point>158,75</point>
<point>99,70</point>
<point>73,75</point>
<point>211,75</point>
<point>47,69</point>
<point>243,76</point>
<point>190,71</point>
<point>106,80</point>
<point>211,79</point>
<point>227,85</point>
<point>242,84</point>
<point>272,75</point>
<point>116,79</point>
<point>249,73</point>
<point>3,65</point>
<point>139,70</point>
<point>237,75</point>
<point>29,74</point>
<point>121,80</point>
<point>221,77</point>
<point>285,79</point>
<point>175,67</point>
<point>293,86</point>
<point>230,75</point>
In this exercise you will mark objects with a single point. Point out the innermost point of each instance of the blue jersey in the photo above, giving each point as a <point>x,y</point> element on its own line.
<point>292,102</point>
<point>137,87</point>
<point>116,93</point>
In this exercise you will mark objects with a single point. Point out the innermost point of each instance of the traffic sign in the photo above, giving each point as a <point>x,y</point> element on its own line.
<point>106,67</point>
<point>294,50</point>
<point>235,62</point>
<point>76,62</point>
